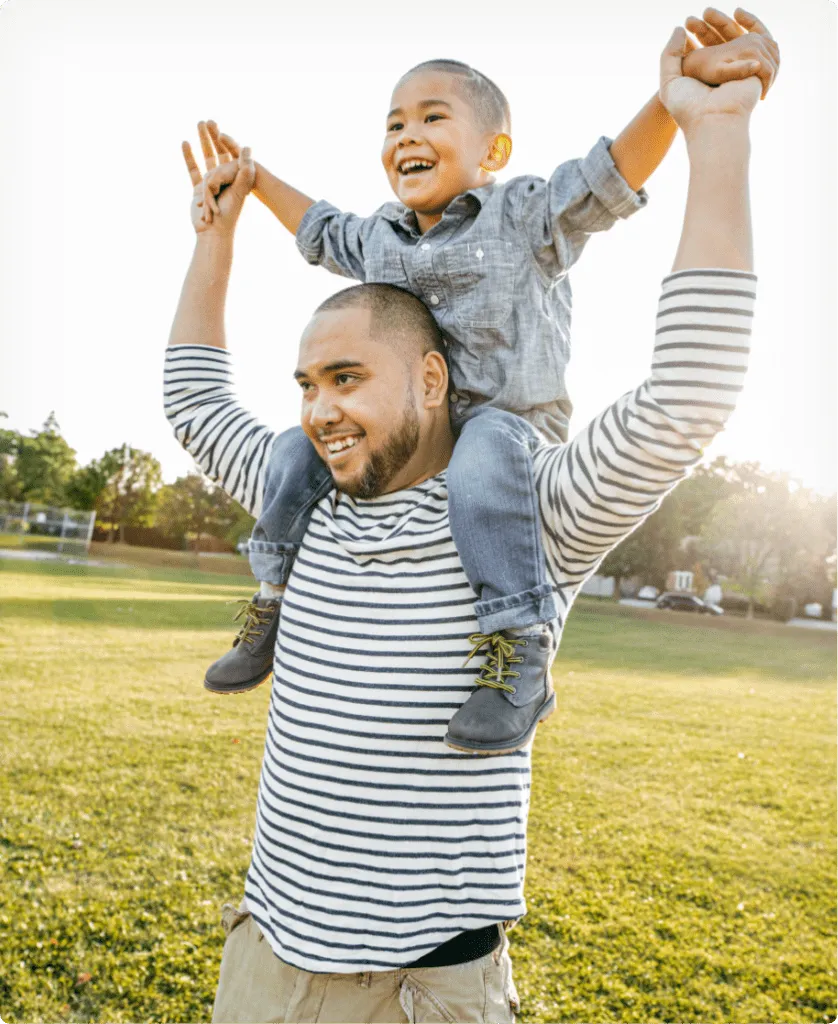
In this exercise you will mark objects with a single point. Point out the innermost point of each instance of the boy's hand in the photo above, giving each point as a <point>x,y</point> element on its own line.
<point>732,49</point>
<point>239,173</point>
<point>691,102</point>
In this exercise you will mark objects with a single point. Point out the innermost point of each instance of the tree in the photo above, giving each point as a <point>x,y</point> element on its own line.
<point>44,464</point>
<point>750,533</point>
<point>128,497</point>
<point>193,506</point>
<point>9,483</point>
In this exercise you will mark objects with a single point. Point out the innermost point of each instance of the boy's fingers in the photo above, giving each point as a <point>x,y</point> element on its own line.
<point>725,26</point>
<point>703,32</point>
<point>206,146</point>
<point>191,165</point>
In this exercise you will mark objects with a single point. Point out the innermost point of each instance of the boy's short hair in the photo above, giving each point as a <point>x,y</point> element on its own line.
<point>480,92</point>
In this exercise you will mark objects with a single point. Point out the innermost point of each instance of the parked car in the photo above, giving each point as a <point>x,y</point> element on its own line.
<point>647,593</point>
<point>686,603</point>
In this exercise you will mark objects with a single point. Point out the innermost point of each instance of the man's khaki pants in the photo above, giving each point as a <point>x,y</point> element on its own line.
<point>256,987</point>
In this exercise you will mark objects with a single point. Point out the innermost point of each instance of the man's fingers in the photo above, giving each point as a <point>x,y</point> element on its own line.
<point>703,32</point>
<point>751,23</point>
<point>206,146</point>
<point>191,165</point>
<point>672,55</point>
<point>224,154</point>
<point>725,26</point>
<point>232,146</point>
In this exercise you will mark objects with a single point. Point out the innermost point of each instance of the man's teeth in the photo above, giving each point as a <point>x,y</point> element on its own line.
<point>414,165</point>
<point>341,444</point>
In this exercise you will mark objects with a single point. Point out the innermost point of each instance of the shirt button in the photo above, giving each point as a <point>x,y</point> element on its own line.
<point>434,300</point>
<point>453,397</point>
<point>426,245</point>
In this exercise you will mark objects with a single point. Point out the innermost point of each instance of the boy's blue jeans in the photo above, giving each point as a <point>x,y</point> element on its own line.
<point>492,505</point>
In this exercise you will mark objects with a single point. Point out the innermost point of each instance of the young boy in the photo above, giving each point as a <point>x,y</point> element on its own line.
<point>490,262</point>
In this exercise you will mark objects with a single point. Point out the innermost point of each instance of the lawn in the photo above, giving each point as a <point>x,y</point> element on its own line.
<point>682,831</point>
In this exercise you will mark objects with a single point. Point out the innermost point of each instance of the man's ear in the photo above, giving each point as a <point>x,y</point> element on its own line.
<point>435,380</point>
<point>500,150</point>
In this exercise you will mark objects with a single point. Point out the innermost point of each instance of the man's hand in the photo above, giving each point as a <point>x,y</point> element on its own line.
<point>732,49</point>
<point>689,101</point>
<point>217,211</point>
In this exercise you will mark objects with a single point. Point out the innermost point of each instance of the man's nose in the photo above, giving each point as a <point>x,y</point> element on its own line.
<point>323,412</point>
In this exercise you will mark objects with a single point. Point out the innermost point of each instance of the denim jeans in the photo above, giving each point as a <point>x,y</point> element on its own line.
<point>492,506</point>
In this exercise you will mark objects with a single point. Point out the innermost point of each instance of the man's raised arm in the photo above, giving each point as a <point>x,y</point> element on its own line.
<point>597,489</point>
<point>227,443</point>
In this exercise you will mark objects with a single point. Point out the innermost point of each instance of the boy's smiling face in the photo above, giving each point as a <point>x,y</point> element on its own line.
<point>434,145</point>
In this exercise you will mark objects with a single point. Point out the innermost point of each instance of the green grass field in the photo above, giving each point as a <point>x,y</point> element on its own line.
<point>682,831</point>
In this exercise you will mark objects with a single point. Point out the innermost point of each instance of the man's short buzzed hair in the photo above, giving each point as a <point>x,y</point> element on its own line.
<point>480,92</point>
<point>396,317</point>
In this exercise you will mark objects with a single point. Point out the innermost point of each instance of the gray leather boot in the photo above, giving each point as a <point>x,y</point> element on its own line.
<point>514,693</point>
<point>251,659</point>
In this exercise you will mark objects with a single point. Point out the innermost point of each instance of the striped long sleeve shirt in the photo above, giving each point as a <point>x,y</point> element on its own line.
<point>375,842</point>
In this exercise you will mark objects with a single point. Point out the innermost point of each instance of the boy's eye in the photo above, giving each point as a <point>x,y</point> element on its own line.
<point>396,126</point>
<point>435,117</point>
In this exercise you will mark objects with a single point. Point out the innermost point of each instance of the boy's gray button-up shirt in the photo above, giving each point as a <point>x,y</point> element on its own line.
<point>493,272</point>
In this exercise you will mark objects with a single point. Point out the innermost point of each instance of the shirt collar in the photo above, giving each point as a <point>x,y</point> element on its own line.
<point>470,201</point>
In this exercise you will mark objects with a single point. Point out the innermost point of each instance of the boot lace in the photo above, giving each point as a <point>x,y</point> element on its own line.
<point>254,616</point>
<point>500,655</point>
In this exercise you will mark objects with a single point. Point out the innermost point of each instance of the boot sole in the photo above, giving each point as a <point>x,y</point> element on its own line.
<point>240,687</point>
<point>510,746</point>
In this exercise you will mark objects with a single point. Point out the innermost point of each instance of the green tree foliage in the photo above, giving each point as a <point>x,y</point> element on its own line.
<point>192,506</point>
<point>9,483</point>
<point>132,480</point>
<point>44,464</point>
<point>774,538</point>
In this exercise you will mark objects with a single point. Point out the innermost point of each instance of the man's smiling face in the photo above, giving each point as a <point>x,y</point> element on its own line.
<point>434,145</point>
<point>361,404</point>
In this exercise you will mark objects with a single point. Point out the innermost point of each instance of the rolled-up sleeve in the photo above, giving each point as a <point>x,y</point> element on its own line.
<point>330,238</point>
<point>580,198</point>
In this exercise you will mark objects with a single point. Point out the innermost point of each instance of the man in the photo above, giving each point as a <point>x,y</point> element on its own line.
<point>384,864</point>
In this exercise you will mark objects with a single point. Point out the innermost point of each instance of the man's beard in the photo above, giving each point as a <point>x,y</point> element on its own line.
<point>383,464</point>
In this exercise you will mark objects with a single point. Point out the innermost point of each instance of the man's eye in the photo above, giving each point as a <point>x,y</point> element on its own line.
<point>304,385</point>
<point>345,378</point>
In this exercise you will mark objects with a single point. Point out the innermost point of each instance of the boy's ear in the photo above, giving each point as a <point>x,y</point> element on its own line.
<point>500,150</point>
<point>435,379</point>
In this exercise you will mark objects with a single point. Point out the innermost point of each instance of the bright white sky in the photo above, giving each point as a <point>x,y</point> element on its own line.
<point>96,95</point>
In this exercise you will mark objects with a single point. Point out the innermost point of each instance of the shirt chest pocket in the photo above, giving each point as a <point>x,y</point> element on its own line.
<point>386,269</point>
<point>482,279</point>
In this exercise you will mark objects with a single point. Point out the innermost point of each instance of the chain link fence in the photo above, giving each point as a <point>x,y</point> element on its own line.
<point>27,525</point>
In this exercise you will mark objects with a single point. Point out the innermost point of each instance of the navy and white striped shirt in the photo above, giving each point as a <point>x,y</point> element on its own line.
<point>374,841</point>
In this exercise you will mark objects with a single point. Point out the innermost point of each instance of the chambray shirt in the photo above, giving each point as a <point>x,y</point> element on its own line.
<point>493,272</point>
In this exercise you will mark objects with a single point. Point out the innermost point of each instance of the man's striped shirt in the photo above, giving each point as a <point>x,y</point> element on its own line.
<point>374,841</point>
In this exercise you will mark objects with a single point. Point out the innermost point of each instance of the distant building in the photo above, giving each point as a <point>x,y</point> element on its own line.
<point>680,580</point>
<point>598,586</point>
